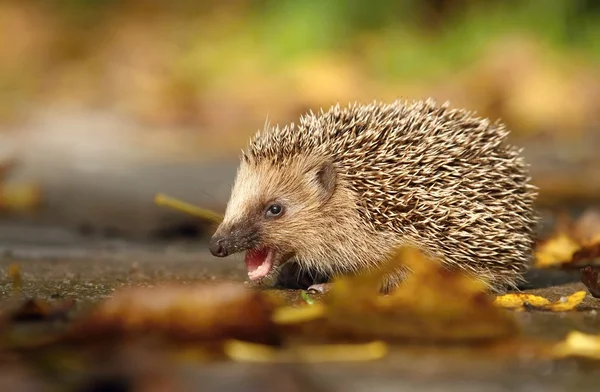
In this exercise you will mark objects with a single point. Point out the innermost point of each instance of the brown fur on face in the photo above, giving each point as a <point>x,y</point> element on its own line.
<point>320,227</point>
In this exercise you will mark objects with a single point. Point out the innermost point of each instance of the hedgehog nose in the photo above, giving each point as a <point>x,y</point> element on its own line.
<point>216,248</point>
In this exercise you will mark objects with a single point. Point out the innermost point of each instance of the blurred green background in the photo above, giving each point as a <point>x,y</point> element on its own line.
<point>120,84</point>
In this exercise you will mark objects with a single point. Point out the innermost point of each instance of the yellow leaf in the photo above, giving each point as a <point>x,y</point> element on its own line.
<point>251,352</point>
<point>432,304</point>
<point>293,315</point>
<point>556,251</point>
<point>578,344</point>
<point>570,303</point>
<point>519,301</point>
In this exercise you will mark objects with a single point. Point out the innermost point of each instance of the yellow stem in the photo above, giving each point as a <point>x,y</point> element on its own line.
<point>166,201</point>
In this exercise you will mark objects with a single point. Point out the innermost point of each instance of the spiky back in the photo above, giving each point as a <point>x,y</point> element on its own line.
<point>439,177</point>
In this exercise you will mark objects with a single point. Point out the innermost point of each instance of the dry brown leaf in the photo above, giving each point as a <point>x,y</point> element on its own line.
<point>432,304</point>
<point>520,302</point>
<point>207,312</point>
<point>578,344</point>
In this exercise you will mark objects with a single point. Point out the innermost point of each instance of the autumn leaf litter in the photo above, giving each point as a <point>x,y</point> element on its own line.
<point>351,322</point>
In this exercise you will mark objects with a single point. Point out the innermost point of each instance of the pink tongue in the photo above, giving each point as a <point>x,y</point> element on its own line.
<point>254,259</point>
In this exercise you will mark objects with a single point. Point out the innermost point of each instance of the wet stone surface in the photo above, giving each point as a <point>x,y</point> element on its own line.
<point>89,271</point>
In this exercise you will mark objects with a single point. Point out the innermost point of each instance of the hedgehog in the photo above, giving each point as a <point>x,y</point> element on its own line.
<point>343,189</point>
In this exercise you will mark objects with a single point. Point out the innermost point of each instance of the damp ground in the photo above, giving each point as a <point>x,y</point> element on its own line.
<point>55,264</point>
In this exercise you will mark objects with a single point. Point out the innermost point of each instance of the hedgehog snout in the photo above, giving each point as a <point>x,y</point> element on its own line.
<point>226,242</point>
<point>217,247</point>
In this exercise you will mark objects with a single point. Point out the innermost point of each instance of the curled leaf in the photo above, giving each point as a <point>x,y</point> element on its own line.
<point>569,303</point>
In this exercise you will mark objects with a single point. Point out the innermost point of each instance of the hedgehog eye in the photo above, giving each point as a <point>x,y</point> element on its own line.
<point>274,210</point>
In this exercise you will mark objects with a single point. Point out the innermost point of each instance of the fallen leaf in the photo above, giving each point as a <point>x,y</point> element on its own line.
<point>294,315</point>
<point>556,251</point>
<point>578,344</point>
<point>432,304</point>
<point>520,302</point>
<point>575,245</point>
<point>251,352</point>
<point>208,312</point>
<point>569,303</point>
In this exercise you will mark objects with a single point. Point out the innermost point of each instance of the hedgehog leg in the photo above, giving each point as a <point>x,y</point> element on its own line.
<point>320,288</point>
<point>386,288</point>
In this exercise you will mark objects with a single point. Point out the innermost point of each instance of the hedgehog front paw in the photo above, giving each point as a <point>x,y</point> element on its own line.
<point>320,288</point>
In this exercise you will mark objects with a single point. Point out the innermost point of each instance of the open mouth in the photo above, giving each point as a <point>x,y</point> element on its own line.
<point>259,262</point>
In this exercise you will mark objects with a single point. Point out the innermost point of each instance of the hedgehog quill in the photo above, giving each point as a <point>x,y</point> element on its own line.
<point>341,190</point>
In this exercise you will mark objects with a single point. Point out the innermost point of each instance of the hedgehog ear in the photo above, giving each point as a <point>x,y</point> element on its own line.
<point>326,177</point>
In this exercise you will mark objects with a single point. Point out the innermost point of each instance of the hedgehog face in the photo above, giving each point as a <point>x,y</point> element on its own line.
<point>270,208</point>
